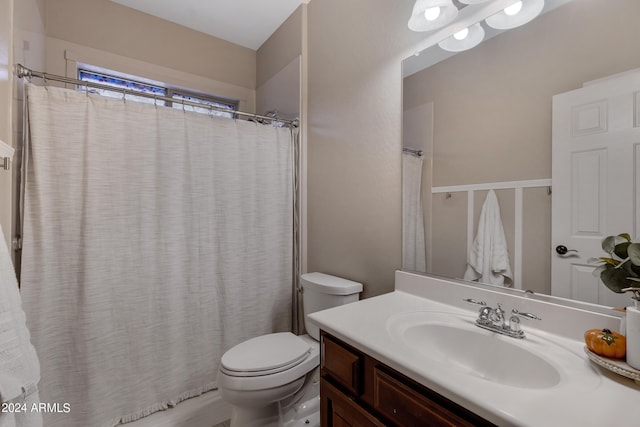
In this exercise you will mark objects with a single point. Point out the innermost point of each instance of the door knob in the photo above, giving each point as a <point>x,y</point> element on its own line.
<point>562,250</point>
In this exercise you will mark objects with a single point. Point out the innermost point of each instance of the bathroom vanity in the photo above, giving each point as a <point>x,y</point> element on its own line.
<point>416,357</point>
<point>358,390</point>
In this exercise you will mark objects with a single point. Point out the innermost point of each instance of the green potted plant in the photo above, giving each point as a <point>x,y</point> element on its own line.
<point>620,270</point>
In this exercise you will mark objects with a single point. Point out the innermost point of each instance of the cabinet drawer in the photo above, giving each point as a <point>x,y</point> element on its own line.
<point>342,365</point>
<point>401,405</point>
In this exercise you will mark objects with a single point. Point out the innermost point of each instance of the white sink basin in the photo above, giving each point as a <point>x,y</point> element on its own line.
<point>452,342</point>
<point>472,351</point>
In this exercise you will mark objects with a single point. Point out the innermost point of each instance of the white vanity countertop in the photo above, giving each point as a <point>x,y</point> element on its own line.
<point>596,396</point>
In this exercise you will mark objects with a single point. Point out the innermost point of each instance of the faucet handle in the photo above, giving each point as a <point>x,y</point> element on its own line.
<point>473,301</point>
<point>516,312</point>
<point>514,322</point>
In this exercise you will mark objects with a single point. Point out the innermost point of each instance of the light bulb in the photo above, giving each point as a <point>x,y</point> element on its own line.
<point>513,9</point>
<point>462,34</point>
<point>432,13</point>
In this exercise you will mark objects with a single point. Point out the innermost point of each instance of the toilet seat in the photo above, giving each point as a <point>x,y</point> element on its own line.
<point>296,368</point>
<point>265,355</point>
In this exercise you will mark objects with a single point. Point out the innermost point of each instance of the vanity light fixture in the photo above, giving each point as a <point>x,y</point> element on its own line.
<point>515,15</point>
<point>430,15</point>
<point>514,9</point>
<point>465,39</point>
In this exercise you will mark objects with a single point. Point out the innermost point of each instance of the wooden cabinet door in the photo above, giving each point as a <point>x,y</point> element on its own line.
<point>343,365</point>
<point>338,410</point>
<point>403,406</point>
<point>358,391</point>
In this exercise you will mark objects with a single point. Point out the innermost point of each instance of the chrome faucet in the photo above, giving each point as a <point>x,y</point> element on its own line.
<point>496,316</point>
<point>493,319</point>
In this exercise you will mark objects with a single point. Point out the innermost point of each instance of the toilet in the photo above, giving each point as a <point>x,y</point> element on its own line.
<point>274,379</point>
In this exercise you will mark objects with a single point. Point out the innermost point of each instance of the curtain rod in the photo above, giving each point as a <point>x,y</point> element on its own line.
<point>22,71</point>
<point>412,151</point>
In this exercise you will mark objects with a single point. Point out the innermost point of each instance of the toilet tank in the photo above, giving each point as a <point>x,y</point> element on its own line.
<point>321,291</point>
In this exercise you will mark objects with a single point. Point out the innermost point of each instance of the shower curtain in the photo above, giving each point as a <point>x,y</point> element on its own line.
<point>154,240</point>
<point>413,241</point>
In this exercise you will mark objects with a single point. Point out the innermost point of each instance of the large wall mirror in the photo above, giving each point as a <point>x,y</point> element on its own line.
<point>483,117</point>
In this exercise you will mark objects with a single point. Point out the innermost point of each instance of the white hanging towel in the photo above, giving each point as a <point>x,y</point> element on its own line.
<point>489,256</point>
<point>19,366</point>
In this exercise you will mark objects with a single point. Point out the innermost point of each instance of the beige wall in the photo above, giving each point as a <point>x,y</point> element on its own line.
<point>29,34</point>
<point>283,47</point>
<point>492,110</point>
<point>108,35</point>
<point>354,218</point>
<point>278,68</point>
<point>281,93</point>
<point>108,26</point>
<point>6,60</point>
<point>28,50</point>
<point>63,58</point>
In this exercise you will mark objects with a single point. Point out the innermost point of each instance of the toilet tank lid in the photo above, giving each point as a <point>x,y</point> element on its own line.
<point>328,284</point>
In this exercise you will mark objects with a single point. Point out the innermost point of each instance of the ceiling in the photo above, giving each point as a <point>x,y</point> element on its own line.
<point>248,23</point>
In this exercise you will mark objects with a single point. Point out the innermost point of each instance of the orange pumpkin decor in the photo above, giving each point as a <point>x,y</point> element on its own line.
<point>606,343</point>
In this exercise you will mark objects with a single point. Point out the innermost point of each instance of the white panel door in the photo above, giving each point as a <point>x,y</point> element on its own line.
<point>595,158</point>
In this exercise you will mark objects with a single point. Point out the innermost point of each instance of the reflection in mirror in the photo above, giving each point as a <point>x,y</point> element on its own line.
<point>483,118</point>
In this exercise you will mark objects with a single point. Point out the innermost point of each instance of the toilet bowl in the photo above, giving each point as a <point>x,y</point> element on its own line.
<point>273,380</point>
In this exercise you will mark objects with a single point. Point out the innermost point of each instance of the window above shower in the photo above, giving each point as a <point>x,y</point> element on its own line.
<point>223,107</point>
